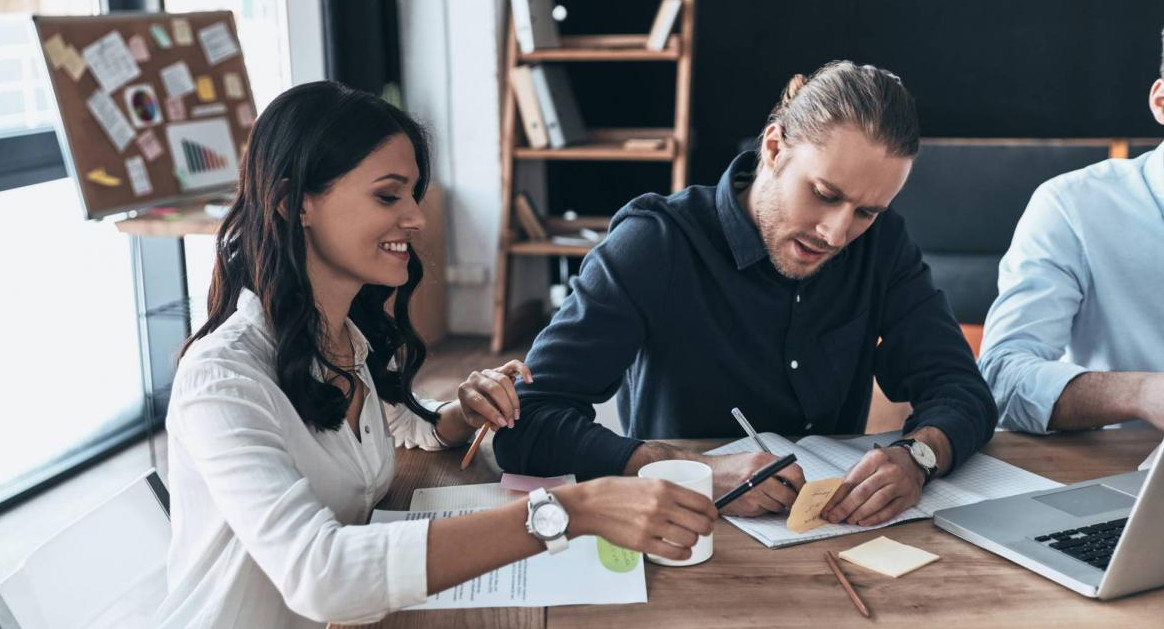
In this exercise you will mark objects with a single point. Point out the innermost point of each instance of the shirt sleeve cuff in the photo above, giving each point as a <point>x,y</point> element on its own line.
<point>1032,412</point>
<point>407,558</point>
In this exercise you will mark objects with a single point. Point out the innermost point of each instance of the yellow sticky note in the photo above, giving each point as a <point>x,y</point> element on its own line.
<point>805,512</point>
<point>102,178</point>
<point>54,49</point>
<point>206,89</point>
<point>888,557</point>
<point>73,63</point>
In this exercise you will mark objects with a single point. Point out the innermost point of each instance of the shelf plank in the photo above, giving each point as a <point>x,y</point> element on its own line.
<point>548,248</point>
<point>607,145</point>
<point>559,225</point>
<point>604,48</point>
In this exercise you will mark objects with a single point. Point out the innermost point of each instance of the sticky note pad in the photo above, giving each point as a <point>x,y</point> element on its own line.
<point>888,557</point>
<point>206,92</point>
<point>805,512</point>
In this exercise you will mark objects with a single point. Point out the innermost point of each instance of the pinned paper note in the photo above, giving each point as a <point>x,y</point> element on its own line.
<point>161,36</point>
<point>139,49</point>
<point>205,88</point>
<point>102,178</point>
<point>203,111</point>
<point>217,43</point>
<point>175,109</point>
<point>805,512</point>
<point>149,145</point>
<point>54,50</point>
<point>111,62</point>
<point>183,36</point>
<point>246,115</point>
<point>73,63</point>
<point>204,153</point>
<point>106,113</point>
<point>139,177</point>
<point>233,86</point>
<point>177,80</point>
<point>888,557</point>
<point>142,104</point>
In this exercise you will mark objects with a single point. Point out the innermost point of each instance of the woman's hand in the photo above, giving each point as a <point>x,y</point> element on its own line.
<point>488,397</point>
<point>647,515</point>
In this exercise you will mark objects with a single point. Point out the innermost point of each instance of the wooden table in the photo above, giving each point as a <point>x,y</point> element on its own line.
<point>748,585</point>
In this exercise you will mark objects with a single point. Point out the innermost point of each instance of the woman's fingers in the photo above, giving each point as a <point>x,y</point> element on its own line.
<point>496,395</point>
<point>506,383</point>
<point>475,404</point>
<point>517,369</point>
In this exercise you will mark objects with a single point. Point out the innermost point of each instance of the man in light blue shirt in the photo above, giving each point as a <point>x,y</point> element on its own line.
<point>1075,339</point>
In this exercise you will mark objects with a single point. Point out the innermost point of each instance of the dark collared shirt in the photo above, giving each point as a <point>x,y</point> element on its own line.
<point>681,311</point>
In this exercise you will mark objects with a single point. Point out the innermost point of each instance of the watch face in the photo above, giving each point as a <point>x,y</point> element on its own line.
<point>549,520</point>
<point>923,454</point>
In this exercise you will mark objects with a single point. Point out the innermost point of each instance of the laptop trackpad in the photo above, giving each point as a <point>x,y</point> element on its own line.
<point>1086,501</point>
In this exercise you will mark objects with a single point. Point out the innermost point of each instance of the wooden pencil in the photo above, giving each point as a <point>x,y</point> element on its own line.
<point>836,568</point>
<point>473,448</point>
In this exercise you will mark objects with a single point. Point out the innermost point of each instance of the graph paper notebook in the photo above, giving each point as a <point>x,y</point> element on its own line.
<point>980,478</point>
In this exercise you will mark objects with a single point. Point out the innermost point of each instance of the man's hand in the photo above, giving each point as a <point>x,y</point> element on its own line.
<point>730,470</point>
<point>881,485</point>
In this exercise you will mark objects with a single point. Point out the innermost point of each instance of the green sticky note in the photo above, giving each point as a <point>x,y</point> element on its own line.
<point>615,558</point>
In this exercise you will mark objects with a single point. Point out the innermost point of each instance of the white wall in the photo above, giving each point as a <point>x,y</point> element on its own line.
<point>452,61</point>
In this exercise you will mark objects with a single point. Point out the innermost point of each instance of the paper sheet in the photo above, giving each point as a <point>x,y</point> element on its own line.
<point>177,80</point>
<point>590,572</point>
<point>480,496</point>
<point>139,49</point>
<point>112,121</point>
<point>175,109</point>
<point>149,145</point>
<point>73,63</point>
<point>204,153</point>
<point>805,512</point>
<point>139,177</point>
<point>213,109</point>
<point>54,50</point>
<point>205,87</point>
<point>183,36</point>
<point>217,43</point>
<point>111,62</point>
<point>233,86</point>
<point>888,557</point>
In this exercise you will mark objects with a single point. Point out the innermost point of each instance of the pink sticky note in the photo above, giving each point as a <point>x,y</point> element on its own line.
<point>246,115</point>
<point>175,109</point>
<point>149,145</point>
<point>518,482</point>
<point>138,48</point>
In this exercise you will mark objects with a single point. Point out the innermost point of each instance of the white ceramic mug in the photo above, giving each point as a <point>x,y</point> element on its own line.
<point>692,475</point>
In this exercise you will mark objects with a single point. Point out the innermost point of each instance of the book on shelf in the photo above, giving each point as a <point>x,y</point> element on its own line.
<point>521,82</point>
<point>664,22</point>
<point>534,25</point>
<point>528,218</point>
<point>559,108</point>
<point>584,237</point>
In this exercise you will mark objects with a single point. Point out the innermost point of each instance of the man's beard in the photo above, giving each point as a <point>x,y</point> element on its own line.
<point>769,216</point>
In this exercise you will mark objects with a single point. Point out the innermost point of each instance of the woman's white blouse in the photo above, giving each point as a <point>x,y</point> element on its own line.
<point>269,514</point>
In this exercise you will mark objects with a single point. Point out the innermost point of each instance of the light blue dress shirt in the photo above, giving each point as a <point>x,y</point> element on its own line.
<point>1081,288</point>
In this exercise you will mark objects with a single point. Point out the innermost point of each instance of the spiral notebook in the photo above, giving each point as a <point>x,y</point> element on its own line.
<point>980,478</point>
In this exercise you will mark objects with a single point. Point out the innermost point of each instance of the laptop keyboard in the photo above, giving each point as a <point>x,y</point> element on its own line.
<point>1092,544</point>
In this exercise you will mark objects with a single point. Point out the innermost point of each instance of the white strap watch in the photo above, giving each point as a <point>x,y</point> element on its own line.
<point>547,520</point>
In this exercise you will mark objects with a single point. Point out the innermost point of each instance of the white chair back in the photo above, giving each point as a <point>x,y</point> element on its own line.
<point>107,569</point>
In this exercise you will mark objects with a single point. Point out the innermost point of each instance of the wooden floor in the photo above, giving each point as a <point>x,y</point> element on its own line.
<point>30,523</point>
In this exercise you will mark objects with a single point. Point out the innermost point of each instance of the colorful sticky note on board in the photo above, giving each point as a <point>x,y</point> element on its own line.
<point>102,178</point>
<point>246,115</point>
<point>233,86</point>
<point>183,36</point>
<point>888,557</point>
<point>161,36</point>
<point>206,91</point>
<point>805,512</point>
<point>139,49</point>
<point>54,50</point>
<point>175,109</point>
<point>139,177</point>
<point>149,145</point>
<point>73,63</point>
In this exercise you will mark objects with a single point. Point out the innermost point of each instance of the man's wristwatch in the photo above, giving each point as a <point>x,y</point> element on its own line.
<point>547,520</point>
<point>921,454</point>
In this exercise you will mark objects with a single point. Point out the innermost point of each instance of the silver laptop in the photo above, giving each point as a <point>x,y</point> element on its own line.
<point>1101,538</point>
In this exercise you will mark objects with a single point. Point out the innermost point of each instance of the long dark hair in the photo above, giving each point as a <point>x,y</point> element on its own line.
<point>307,138</point>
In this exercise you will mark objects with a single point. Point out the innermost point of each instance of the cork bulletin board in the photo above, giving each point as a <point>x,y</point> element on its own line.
<point>155,108</point>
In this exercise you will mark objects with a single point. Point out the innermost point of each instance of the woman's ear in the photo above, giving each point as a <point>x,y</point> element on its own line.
<point>282,207</point>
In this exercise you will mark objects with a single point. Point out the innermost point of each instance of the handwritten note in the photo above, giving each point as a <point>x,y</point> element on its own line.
<point>217,43</point>
<point>177,80</point>
<point>111,62</point>
<point>805,512</point>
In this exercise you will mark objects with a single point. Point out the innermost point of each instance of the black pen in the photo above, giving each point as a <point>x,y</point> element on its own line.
<point>757,478</point>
